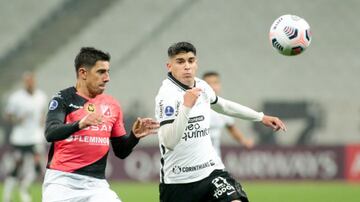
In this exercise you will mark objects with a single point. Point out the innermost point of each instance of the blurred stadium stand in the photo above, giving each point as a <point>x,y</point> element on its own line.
<point>231,37</point>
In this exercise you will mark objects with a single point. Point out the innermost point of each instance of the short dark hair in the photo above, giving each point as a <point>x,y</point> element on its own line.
<point>181,47</point>
<point>88,56</point>
<point>210,73</point>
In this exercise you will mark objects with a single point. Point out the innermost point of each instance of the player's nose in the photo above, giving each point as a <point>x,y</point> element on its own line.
<point>106,77</point>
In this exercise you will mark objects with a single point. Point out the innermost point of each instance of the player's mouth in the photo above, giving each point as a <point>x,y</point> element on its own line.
<point>102,86</point>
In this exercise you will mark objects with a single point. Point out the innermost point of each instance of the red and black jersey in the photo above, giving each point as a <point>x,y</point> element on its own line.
<point>82,151</point>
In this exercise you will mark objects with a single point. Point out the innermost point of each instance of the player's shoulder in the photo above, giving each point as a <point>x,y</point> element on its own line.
<point>40,94</point>
<point>65,92</point>
<point>17,94</point>
<point>202,84</point>
<point>167,89</point>
<point>206,88</point>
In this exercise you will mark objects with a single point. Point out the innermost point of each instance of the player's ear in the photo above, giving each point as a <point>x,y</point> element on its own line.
<point>82,73</point>
<point>168,66</point>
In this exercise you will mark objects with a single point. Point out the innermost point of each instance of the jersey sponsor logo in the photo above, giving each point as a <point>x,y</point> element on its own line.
<point>90,108</point>
<point>75,106</point>
<point>169,110</point>
<point>102,127</point>
<point>178,169</point>
<point>196,119</point>
<point>91,140</point>
<point>53,105</point>
<point>229,193</point>
<point>194,131</point>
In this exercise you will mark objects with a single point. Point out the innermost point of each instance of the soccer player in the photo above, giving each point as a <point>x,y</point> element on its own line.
<point>25,111</point>
<point>190,168</point>
<point>219,121</point>
<point>81,123</point>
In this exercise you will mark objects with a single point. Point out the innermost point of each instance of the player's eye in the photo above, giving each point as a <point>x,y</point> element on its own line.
<point>180,61</point>
<point>103,71</point>
<point>191,60</point>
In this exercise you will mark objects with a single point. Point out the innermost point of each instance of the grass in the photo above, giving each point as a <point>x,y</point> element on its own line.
<point>257,191</point>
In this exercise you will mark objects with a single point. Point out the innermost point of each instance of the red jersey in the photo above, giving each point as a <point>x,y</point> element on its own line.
<point>84,151</point>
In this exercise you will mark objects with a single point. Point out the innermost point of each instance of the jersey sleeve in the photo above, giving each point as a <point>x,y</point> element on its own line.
<point>118,129</point>
<point>56,110</point>
<point>55,127</point>
<point>166,109</point>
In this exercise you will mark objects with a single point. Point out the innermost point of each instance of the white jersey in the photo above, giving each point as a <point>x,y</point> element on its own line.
<point>194,157</point>
<point>30,109</point>
<point>217,124</point>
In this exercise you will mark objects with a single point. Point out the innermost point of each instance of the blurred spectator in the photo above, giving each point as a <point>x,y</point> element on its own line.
<point>25,111</point>
<point>219,121</point>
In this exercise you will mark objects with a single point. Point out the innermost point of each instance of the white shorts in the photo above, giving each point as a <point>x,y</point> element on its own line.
<point>69,187</point>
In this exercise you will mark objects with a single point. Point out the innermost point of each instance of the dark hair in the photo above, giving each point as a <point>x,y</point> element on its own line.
<point>210,73</point>
<point>88,56</point>
<point>181,47</point>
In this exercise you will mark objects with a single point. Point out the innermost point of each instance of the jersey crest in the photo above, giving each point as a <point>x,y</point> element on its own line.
<point>90,108</point>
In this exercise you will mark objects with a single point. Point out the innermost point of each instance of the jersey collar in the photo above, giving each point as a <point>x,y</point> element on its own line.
<point>178,83</point>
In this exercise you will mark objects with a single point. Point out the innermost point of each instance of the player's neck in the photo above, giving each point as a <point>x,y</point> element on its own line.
<point>83,91</point>
<point>30,91</point>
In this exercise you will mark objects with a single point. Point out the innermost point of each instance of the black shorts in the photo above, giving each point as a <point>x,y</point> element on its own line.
<point>25,149</point>
<point>218,186</point>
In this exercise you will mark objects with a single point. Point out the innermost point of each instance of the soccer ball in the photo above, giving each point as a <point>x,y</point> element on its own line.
<point>290,35</point>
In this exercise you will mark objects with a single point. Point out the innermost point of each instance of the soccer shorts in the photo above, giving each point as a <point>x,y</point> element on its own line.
<point>69,187</point>
<point>219,186</point>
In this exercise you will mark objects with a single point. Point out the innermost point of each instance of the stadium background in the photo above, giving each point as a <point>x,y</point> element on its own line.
<point>316,93</point>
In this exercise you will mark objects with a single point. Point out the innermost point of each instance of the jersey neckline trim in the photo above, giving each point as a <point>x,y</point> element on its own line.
<point>178,83</point>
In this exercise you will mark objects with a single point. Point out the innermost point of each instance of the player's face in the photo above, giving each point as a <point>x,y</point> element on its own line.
<point>29,83</point>
<point>214,82</point>
<point>97,77</point>
<point>183,67</point>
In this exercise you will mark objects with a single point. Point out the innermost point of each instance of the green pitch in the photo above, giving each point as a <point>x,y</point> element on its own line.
<point>257,191</point>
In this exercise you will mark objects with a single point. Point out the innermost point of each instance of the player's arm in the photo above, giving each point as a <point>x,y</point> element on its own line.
<point>142,127</point>
<point>55,128</point>
<point>239,136</point>
<point>233,109</point>
<point>123,145</point>
<point>11,111</point>
<point>170,133</point>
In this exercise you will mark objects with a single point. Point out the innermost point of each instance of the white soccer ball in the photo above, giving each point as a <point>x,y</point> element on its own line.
<point>290,35</point>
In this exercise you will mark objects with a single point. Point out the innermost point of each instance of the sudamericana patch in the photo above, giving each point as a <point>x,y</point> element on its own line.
<point>169,110</point>
<point>53,104</point>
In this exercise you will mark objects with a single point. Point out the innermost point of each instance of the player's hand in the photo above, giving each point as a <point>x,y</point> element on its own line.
<point>273,122</point>
<point>191,96</point>
<point>91,119</point>
<point>145,126</point>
